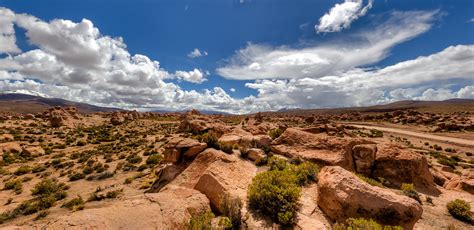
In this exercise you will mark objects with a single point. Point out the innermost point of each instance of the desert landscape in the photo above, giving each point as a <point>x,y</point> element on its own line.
<point>407,168</point>
<point>236,114</point>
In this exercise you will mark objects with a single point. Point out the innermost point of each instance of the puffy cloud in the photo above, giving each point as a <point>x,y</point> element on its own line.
<point>363,48</point>
<point>195,76</point>
<point>197,53</point>
<point>7,32</point>
<point>232,90</point>
<point>433,77</point>
<point>342,15</point>
<point>74,61</point>
<point>466,92</point>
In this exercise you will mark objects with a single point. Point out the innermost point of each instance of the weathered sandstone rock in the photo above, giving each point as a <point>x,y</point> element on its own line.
<point>343,195</point>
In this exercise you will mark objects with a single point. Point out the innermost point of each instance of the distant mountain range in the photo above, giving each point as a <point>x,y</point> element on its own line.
<point>451,105</point>
<point>25,103</point>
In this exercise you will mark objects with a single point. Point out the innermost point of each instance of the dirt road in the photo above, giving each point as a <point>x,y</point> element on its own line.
<point>427,136</point>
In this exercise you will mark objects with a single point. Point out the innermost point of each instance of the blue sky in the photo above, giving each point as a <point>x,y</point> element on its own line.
<point>273,54</point>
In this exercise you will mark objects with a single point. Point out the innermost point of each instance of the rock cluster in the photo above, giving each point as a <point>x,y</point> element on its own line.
<point>179,148</point>
<point>391,162</point>
<point>343,195</point>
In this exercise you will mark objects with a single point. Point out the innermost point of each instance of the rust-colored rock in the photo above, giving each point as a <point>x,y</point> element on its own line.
<point>399,165</point>
<point>255,154</point>
<point>462,183</point>
<point>343,195</point>
<point>215,173</point>
<point>364,157</point>
<point>178,148</point>
<point>321,149</point>
<point>169,209</point>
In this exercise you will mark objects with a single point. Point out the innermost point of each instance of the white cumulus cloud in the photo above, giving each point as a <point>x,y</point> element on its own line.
<point>197,53</point>
<point>342,15</point>
<point>194,76</point>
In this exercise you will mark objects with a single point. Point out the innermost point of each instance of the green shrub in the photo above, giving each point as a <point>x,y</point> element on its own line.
<point>225,147</point>
<point>277,163</point>
<point>363,224</point>
<point>275,193</point>
<point>211,139</point>
<point>201,221</point>
<point>370,181</point>
<point>460,210</point>
<point>154,159</point>
<point>77,176</point>
<point>38,168</point>
<point>232,208</point>
<point>74,204</point>
<point>275,133</point>
<point>15,185</point>
<point>306,172</point>
<point>225,223</point>
<point>48,187</point>
<point>134,159</point>
<point>24,169</point>
<point>410,191</point>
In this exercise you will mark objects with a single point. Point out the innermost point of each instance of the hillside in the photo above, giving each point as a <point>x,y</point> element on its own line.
<point>24,103</point>
<point>451,105</point>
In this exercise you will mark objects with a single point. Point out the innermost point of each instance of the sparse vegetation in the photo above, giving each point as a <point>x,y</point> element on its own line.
<point>363,224</point>
<point>460,210</point>
<point>232,209</point>
<point>74,204</point>
<point>201,221</point>
<point>275,133</point>
<point>410,191</point>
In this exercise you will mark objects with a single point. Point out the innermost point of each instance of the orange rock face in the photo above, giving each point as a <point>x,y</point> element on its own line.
<point>343,195</point>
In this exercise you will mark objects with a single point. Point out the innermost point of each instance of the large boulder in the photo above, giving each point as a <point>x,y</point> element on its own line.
<point>463,183</point>
<point>255,154</point>
<point>343,195</point>
<point>364,158</point>
<point>179,148</point>
<point>398,165</point>
<point>201,124</point>
<point>215,174</point>
<point>117,118</point>
<point>318,148</point>
<point>58,117</point>
<point>169,209</point>
<point>240,137</point>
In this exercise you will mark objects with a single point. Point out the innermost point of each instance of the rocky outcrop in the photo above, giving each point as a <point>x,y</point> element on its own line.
<point>318,148</point>
<point>462,183</point>
<point>343,195</point>
<point>58,116</point>
<point>243,138</point>
<point>364,158</point>
<point>179,148</point>
<point>398,165</point>
<point>215,173</point>
<point>255,154</point>
<point>116,118</point>
<point>169,209</point>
